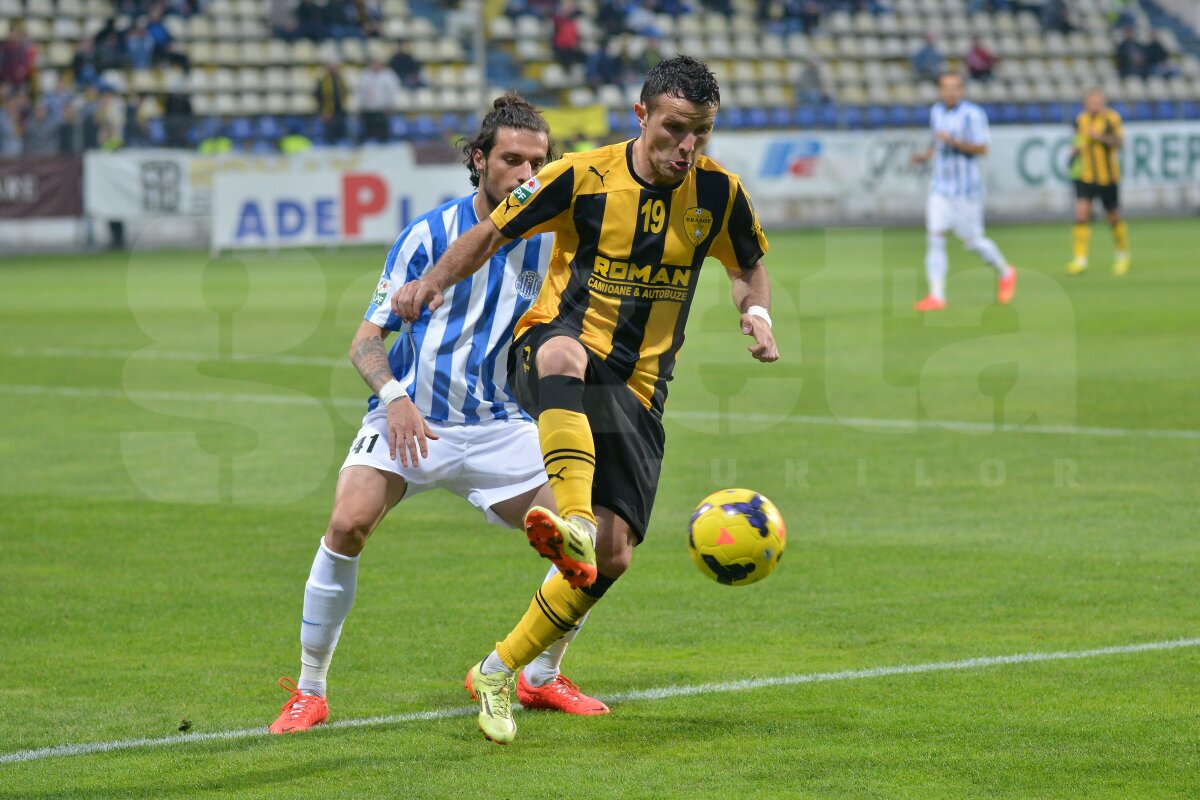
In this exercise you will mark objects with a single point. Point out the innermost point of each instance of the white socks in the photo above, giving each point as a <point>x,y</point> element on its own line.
<point>544,668</point>
<point>935,264</point>
<point>328,596</point>
<point>990,253</point>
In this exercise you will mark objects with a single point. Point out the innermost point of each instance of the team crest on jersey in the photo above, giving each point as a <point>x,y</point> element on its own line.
<point>698,222</point>
<point>528,284</point>
<point>525,191</point>
<point>381,292</point>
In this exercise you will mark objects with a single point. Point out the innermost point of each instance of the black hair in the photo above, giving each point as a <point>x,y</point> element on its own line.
<point>684,77</point>
<point>509,110</point>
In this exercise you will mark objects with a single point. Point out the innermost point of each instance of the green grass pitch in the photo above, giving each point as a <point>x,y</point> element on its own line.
<point>172,428</point>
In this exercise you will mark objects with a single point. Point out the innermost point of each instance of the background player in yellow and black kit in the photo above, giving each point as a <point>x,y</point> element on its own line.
<point>1099,136</point>
<point>633,223</point>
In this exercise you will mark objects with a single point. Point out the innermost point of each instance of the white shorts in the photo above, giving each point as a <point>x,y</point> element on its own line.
<point>484,463</point>
<point>963,215</point>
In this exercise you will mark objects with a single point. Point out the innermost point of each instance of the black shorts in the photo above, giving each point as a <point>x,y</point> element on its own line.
<point>1110,195</point>
<point>629,439</point>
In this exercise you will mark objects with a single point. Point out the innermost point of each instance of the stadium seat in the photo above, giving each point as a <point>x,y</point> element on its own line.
<point>240,129</point>
<point>755,117</point>
<point>852,117</point>
<point>268,128</point>
<point>876,117</point>
<point>398,127</point>
<point>1032,113</point>
<point>827,116</point>
<point>424,128</point>
<point>1164,109</point>
<point>155,131</point>
<point>733,118</point>
<point>779,117</point>
<point>805,117</point>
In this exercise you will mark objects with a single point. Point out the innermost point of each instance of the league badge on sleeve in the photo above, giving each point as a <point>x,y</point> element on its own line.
<point>525,191</point>
<point>381,292</point>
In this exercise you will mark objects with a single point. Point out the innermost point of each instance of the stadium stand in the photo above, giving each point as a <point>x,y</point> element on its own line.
<point>254,64</point>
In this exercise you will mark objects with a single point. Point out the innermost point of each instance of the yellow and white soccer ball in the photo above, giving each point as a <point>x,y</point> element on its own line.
<point>736,536</point>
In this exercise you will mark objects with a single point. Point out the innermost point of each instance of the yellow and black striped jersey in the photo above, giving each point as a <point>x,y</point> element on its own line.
<point>627,254</point>
<point>1098,160</point>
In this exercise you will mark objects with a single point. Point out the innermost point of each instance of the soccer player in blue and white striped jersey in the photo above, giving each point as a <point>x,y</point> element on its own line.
<point>960,130</point>
<point>442,414</point>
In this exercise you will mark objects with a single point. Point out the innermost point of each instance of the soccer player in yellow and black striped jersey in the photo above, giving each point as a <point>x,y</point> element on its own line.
<point>633,224</point>
<point>1099,136</point>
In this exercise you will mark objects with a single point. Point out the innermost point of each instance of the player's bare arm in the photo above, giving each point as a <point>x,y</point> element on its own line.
<point>464,257</point>
<point>923,156</point>
<point>752,290</point>
<point>407,431</point>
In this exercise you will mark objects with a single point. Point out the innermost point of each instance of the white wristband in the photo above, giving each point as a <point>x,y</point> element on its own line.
<point>761,313</point>
<point>392,390</point>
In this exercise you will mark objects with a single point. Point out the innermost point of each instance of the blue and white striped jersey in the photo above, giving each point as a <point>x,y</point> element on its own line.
<point>454,362</point>
<point>955,173</point>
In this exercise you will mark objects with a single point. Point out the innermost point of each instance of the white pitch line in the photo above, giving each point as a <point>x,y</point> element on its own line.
<point>792,419</point>
<point>663,693</point>
<point>149,354</point>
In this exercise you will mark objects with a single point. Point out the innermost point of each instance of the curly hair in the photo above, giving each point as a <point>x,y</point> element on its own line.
<point>684,77</point>
<point>509,110</point>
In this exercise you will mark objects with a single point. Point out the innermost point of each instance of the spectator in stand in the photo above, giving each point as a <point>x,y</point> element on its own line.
<point>928,62</point>
<point>979,60</point>
<point>110,118</point>
<point>1056,16</point>
<point>18,60</point>
<point>146,111</point>
<point>41,131</point>
<point>566,42</point>
<point>604,67</point>
<point>801,16</point>
<point>331,102</point>
<point>158,32</point>
<point>1130,58</point>
<point>675,8</point>
<point>639,19</point>
<point>722,7</point>
<point>1156,58</point>
<point>650,57</point>
<point>11,109</point>
<point>406,67</point>
<point>83,63</point>
<point>1122,15</point>
<point>310,20</point>
<point>139,44</point>
<point>809,89</point>
<point>610,18</point>
<point>342,19</point>
<point>378,93</point>
<point>177,113</point>
<point>110,54</point>
<point>281,17</point>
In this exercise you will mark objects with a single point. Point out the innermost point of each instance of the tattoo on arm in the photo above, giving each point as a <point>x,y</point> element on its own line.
<point>369,357</point>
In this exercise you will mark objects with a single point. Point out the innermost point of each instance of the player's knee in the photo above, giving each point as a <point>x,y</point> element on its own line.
<point>614,564</point>
<point>348,532</point>
<point>973,245</point>
<point>561,356</point>
<point>936,241</point>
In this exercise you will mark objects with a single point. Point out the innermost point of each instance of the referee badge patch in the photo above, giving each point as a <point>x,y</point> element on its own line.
<point>525,190</point>
<point>698,222</point>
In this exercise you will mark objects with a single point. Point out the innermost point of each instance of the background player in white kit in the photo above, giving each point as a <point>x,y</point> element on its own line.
<point>960,130</point>
<point>442,415</point>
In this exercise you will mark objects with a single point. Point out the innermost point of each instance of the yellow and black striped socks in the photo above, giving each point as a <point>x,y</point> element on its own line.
<point>1120,237</point>
<point>1081,236</point>
<point>555,610</point>
<point>567,447</point>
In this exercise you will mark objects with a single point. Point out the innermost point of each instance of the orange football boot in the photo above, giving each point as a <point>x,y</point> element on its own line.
<point>930,303</point>
<point>300,712</point>
<point>559,694</point>
<point>1006,286</point>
